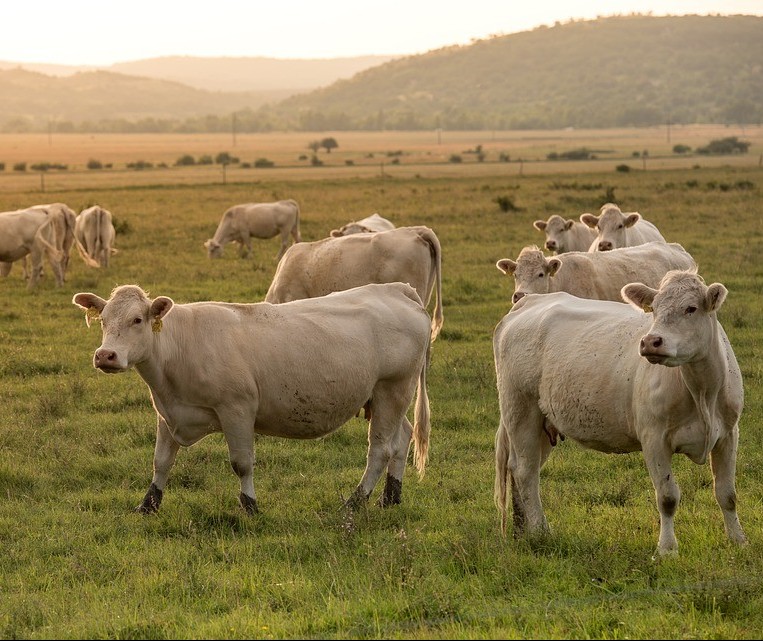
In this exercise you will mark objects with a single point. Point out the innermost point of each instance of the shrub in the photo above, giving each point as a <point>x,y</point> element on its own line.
<point>454,158</point>
<point>681,149</point>
<point>623,168</point>
<point>506,204</point>
<point>140,164</point>
<point>315,161</point>
<point>19,166</point>
<point>263,163</point>
<point>94,164</point>
<point>730,145</point>
<point>206,159</point>
<point>185,160</point>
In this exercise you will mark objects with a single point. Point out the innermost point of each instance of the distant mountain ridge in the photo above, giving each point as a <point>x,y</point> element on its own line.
<point>618,71</point>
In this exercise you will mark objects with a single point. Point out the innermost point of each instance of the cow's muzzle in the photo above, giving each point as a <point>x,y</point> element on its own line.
<point>106,361</point>
<point>651,347</point>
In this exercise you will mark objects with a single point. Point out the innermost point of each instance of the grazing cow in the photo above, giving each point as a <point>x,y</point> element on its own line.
<point>30,232</point>
<point>298,370</point>
<point>406,254</point>
<point>241,223</point>
<point>658,375</point>
<point>372,223</point>
<point>565,235</point>
<point>616,229</point>
<point>94,230</point>
<point>599,275</point>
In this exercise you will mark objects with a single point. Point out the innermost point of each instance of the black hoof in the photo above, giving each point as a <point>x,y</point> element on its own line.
<point>151,502</point>
<point>357,500</point>
<point>393,490</point>
<point>248,503</point>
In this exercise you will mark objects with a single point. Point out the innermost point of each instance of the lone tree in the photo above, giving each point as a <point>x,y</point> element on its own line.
<point>328,144</point>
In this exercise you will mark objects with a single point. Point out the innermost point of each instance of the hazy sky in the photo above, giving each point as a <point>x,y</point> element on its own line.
<point>98,32</point>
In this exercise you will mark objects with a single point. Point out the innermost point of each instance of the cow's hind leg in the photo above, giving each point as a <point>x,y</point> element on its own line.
<point>165,451</point>
<point>385,436</point>
<point>529,448</point>
<point>393,486</point>
<point>723,465</point>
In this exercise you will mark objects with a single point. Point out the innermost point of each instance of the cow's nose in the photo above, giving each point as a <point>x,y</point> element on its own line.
<point>650,343</point>
<point>104,357</point>
<point>517,296</point>
<point>551,245</point>
<point>605,246</point>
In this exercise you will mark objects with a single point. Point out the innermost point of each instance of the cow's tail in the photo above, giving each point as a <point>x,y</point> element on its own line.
<point>54,254</point>
<point>87,258</point>
<point>502,475</point>
<point>421,419</point>
<point>295,230</point>
<point>436,252</point>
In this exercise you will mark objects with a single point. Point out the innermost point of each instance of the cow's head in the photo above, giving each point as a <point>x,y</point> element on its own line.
<point>350,228</point>
<point>532,272</point>
<point>611,225</point>
<point>555,229</point>
<point>684,321</point>
<point>129,320</point>
<point>214,249</point>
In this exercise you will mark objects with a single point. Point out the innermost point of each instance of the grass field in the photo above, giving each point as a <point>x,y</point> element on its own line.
<point>76,446</point>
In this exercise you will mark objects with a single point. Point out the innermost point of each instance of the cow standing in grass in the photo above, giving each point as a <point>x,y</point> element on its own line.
<point>298,370</point>
<point>658,375</point>
<point>241,223</point>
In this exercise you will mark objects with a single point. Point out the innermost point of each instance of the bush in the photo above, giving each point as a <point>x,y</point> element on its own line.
<point>2,166</point>
<point>454,158</point>
<point>315,161</point>
<point>506,204</point>
<point>730,145</point>
<point>140,164</point>
<point>263,163</point>
<point>681,149</point>
<point>19,166</point>
<point>185,160</point>
<point>623,168</point>
<point>206,159</point>
<point>94,164</point>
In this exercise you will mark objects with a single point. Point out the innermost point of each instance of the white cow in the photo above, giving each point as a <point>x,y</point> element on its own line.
<point>405,254</point>
<point>565,235</point>
<point>616,229</point>
<point>599,275</point>
<point>30,232</point>
<point>298,370</point>
<point>658,375</point>
<point>94,230</point>
<point>371,223</point>
<point>241,223</point>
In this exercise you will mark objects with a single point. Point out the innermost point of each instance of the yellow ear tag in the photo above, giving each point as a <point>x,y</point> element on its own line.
<point>156,326</point>
<point>648,309</point>
<point>91,314</point>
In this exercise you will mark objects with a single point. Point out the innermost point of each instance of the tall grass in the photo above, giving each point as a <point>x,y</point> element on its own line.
<point>76,446</point>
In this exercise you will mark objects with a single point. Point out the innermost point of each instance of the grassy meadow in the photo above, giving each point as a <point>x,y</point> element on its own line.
<point>76,446</point>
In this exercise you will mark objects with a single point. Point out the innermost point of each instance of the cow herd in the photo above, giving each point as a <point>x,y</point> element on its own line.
<point>612,341</point>
<point>50,231</point>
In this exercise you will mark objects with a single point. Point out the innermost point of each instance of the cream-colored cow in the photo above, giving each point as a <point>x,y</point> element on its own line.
<point>565,235</point>
<point>94,230</point>
<point>241,223</point>
<point>298,370</point>
<point>30,232</point>
<point>405,254</point>
<point>658,375</point>
<point>371,223</point>
<point>599,275</point>
<point>615,229</point>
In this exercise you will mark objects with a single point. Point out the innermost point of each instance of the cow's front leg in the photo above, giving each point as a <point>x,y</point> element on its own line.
<point>165,450</point>
<point>658,461</point>
<point>723,465</point>
<point>240,440</point>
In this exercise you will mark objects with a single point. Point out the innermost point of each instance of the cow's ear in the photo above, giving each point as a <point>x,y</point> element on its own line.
<point>540,225</point>
<point>91,303</point>
<point>554,265</point>
<point>714,297</point>
<point>506,265</point>
<point>632,219</point>
<point>590,220</point>
<point>639,295</point>
<point>335,233</point>
<point>568,224</point>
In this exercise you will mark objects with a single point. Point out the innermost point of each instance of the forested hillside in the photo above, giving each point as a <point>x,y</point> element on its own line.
<point>611,72</point>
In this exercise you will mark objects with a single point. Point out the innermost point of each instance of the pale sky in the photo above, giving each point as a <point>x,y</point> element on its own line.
<point>100,33</point>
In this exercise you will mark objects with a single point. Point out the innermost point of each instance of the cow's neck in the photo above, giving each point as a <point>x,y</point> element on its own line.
<point>705,379</point>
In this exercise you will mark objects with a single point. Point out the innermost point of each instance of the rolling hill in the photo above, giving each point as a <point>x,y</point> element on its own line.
<point>616,71</point>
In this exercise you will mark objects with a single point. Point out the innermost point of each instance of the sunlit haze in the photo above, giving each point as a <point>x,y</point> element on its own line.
<point>89,32</point>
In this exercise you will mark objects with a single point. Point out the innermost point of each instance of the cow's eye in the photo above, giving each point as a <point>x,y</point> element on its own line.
<point>620,226</point>
<point>541,275</point>
<point>690,309</point>
<point>138,321</point>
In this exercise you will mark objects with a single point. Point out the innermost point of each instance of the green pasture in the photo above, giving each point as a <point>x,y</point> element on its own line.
<point>76,445</point>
